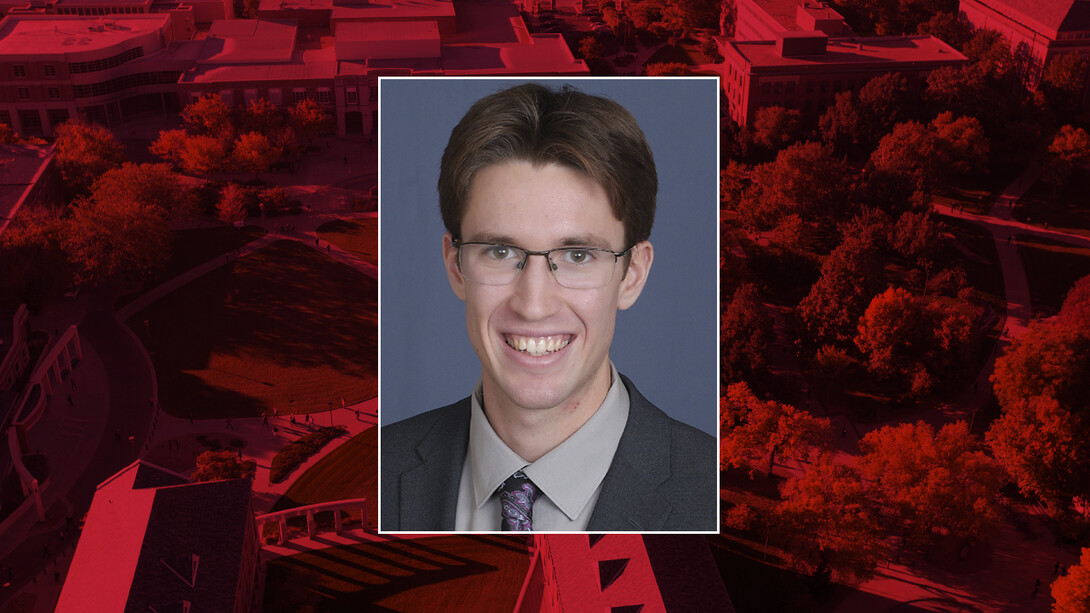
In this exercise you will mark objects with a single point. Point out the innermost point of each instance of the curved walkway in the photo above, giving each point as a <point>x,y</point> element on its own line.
<point>109,403</point>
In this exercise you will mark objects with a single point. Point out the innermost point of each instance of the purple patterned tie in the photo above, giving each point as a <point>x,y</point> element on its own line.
<point>517,496</point>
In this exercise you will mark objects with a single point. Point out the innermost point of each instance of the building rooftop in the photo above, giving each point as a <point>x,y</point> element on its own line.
<point>303,64</point>
<point>846,51</point>
<point>385,10</point>
<point>248,41</point>
<point>193,547</point>
<point>366,31</point>
<point>785,12</point>
<point>152,539</point>
<point>544,54</point>
<point>22,35</point>
<point>79,3</point>
<point>1051,16</point>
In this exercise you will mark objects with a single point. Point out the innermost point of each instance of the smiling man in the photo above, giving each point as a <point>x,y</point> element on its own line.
<point>548,198</point>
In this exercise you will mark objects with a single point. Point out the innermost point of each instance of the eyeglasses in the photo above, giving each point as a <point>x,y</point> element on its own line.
<point>572,267</point>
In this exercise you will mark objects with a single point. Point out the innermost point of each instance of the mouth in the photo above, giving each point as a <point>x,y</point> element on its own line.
<point>537,346</point>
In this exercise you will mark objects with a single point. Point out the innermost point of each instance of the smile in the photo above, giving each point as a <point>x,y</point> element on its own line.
<point>537,346</point>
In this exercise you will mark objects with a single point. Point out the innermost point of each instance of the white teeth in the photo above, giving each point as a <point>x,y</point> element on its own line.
<point>538,346</point>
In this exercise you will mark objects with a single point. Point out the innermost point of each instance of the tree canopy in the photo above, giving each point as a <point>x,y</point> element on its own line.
<point>829,519</point>
<point>754,431</point>
<point>938,481</point>
<point>1072,591</point>
<point>84,152</point>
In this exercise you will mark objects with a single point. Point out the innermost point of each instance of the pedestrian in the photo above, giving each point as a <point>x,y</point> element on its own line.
<point>56,576</point>
<point>293,419</point>
<point>327,247</point>
<point>346,160</point>
<point>239,455</point>
<point>1046,225</point>
<point>70,400</point>
<point>264,419</point>
<point>229,426</point>
<point>276,413</point>
<point>357,414</point>
<point>316,241</point>
<point>275,431</point>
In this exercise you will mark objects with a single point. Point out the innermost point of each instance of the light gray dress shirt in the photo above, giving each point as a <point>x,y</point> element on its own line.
<point>568,478</point>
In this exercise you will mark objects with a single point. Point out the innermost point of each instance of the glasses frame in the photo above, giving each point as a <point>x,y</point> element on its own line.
<point>458,244</point>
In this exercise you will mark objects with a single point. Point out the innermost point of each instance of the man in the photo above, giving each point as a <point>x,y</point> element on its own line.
<point>553,437</point>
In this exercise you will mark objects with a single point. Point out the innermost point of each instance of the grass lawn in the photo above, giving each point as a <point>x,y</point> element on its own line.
<point>349,471</point>
<point>191,248</point>
<point>1065,211</point>
<point>1052,267</point>
<point>285,327</point>
<point>448,573</point>
<point>358,236</point>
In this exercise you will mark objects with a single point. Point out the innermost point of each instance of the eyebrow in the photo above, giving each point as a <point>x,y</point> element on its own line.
<point>578,240</point>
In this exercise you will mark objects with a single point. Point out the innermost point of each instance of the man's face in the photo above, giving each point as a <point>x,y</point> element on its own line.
<point>539,208</point>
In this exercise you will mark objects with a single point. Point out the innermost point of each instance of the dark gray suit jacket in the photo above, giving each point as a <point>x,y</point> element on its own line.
<point>663,476</point>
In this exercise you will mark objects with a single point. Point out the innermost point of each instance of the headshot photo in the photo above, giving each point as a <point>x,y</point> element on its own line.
<point>548,304</point>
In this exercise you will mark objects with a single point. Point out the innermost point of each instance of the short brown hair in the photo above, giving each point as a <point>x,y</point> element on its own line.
<point>533,123</point>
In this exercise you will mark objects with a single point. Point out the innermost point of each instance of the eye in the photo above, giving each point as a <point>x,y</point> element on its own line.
<point>497,252</point>
<point>579,256</point>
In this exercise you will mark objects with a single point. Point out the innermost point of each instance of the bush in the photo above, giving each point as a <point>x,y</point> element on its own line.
<point>740,517</point>
<point>295,453</point>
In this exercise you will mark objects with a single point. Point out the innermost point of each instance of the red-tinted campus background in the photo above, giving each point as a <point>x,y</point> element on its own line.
<point>188,272</point>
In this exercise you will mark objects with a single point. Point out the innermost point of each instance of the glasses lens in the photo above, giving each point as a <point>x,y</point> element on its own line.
<point>582,268</point>
<point>490,264</point>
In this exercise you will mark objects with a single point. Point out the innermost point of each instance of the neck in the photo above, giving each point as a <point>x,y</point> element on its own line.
<point>533,432</point>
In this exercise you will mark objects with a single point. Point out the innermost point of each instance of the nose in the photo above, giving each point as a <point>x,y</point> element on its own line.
<point>535,292</point>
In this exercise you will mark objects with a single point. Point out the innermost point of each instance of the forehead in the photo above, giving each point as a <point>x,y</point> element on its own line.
<point>539,206</point>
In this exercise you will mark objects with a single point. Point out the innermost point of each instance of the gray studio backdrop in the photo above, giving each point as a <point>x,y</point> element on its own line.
<point>666,343</point>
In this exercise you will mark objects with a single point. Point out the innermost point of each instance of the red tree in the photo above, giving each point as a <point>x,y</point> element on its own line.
<point>753,431</point>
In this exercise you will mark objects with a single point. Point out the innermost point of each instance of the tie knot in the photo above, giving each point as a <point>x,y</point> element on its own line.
<point>517,496</point>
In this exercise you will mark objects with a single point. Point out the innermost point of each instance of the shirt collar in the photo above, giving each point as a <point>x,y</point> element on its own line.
<point>570,473</point>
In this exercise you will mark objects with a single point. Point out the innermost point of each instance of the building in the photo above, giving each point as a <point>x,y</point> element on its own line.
<point>142,56</point>
<point>622,573</point>
<point>284,61</point>
<point>806,70</point>
<point>14,353</point>
<point>766,19</point>
<point>1038,31</point>
<point>55,67</point>
<point>153,541</point>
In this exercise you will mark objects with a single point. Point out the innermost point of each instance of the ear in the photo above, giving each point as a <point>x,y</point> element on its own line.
<point>639,266</point>
<point>450,260</point>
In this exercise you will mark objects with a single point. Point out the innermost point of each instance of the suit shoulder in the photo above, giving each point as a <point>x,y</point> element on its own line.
<point>416,427</point>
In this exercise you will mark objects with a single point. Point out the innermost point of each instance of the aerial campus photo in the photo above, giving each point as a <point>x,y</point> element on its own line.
<point>190,204</point>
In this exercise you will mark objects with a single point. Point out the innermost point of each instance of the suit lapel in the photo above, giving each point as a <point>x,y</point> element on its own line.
<point>429,491</point>
<point>632,495</point>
